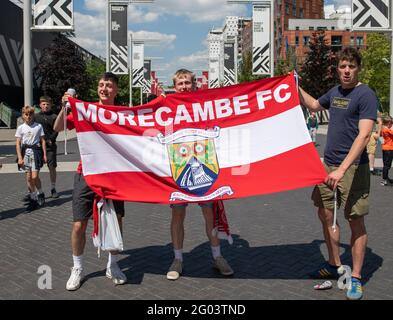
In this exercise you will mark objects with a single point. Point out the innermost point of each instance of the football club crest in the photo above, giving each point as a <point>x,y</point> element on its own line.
<point>194,163</point>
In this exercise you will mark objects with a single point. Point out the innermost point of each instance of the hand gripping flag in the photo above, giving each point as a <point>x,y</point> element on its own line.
<point>238,141</point>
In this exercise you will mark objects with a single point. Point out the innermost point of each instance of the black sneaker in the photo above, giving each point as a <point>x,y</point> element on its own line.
<point>386,183</point>
<point>33,205</point>
<point>326,271</point>
<point>41,199</point>
<point>54,193</point>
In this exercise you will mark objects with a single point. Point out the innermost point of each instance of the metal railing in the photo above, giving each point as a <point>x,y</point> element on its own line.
<point>8,116</point>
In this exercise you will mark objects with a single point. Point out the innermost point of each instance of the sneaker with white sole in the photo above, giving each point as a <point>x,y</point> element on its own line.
<point>74,282</point>
<point>41,199</point>
<point>114,273</point>
<point>223,266</point>
<point>175,270</point>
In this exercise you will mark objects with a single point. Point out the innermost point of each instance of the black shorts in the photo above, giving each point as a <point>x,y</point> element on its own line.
<point>83,199</point>
<point>51,156</point>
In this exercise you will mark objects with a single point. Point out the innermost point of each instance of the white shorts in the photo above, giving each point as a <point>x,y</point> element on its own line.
<point>29,163</point>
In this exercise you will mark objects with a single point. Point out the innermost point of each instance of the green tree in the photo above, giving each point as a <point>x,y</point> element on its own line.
<point>375,71</point>
<point>318,72</point>
<point>61,66</point>
<point>288,64</point>
<point>245,69</point>
<point>95,69</point>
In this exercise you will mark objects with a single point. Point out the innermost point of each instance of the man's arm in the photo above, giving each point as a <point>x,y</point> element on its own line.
<point>365,129</point>
<point>308,101</point>
<point>59,122</point>
<point>43,145</point>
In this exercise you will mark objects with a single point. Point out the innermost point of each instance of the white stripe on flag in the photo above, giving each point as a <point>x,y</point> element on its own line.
<point>236,146</point>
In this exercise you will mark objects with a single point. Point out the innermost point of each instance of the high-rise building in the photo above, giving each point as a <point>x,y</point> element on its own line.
<point>293,9</point>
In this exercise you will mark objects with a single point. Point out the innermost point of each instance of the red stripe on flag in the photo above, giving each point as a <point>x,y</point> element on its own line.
<point>294,169</point>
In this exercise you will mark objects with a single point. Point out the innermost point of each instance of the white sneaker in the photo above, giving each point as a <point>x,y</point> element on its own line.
<point>74,282</point>
<point>114,273</point>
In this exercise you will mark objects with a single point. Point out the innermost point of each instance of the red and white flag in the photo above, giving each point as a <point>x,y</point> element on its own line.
<point>238,141</point>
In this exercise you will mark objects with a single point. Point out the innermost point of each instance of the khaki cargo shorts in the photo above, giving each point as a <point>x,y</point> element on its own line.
<point>352,192</point>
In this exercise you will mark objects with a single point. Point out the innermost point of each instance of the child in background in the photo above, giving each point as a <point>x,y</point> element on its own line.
<point>387,150</point>
<point>312,126</point>
<point>371,148</point>
<point>31,151</point>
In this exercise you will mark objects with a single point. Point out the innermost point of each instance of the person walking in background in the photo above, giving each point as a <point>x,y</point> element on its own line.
<point>46,117</point>
<point>312,126</point>
<point>371,149</point>
<point>31,152</point>
<point>387,150</point>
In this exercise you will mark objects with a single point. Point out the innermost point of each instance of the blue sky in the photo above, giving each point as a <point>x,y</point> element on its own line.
<point>182,25</point>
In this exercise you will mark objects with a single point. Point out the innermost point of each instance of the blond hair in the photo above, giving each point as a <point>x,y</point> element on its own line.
<point>182,72</point>
<point>28,109</point>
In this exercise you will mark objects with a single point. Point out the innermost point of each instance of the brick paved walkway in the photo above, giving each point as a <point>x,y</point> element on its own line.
<point>278,239</point>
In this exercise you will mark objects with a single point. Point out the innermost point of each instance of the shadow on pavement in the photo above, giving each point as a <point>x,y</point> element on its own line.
<point>64,197</point>
<point>291,261</point>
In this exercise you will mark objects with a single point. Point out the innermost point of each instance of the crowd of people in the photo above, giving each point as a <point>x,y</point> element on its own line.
<point>353,134</point>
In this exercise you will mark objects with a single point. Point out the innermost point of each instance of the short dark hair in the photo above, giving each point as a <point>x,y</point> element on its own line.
<point>45,99</point>
<point>350,54</point>
<point>110,76</point>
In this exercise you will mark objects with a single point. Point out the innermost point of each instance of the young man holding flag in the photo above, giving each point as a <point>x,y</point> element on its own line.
<point>83,196</point>
<point>353,111</point>
<point>184,81</point>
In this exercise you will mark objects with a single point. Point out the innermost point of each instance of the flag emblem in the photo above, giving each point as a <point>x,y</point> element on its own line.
<point>194,165</point>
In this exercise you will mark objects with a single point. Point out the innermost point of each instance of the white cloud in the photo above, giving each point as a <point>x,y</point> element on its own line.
<point>95,5</point>
<point>339,3</point>
<point>136,14</point>
<point>90,33</point>
<point>161,39</point>
<point>198,10</point>
<point>194,58</point>
<point>195,62</point>
<point>195,10</point>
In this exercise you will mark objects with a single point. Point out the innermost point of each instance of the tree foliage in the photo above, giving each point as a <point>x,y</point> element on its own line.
<point>318,72</point>
<point>95,69</point>
<point>245,69</point>
<point>286,65</point>
<point>375,69</point>
<point>60,67</point>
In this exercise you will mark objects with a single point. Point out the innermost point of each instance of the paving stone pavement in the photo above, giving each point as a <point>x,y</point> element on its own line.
<point>277,241</point>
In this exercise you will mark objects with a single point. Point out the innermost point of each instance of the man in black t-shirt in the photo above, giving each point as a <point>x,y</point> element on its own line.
<point>353,111</point>
<point>47,118</point>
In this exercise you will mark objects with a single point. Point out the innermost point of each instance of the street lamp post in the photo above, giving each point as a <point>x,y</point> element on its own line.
<point>27,70</point>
